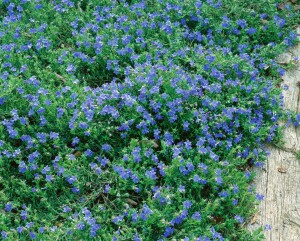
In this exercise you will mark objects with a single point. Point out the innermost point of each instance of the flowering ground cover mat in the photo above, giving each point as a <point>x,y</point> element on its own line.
<point>138,120</point>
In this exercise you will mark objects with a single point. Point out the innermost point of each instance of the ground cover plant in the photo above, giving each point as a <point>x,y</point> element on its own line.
<point>137,120</point>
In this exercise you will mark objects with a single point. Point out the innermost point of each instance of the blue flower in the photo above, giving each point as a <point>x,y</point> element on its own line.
<point>118,219</point>
<point>251,31</point>
<point>186,125</point>
<point>199,180</point>
<point>151,174</point>
<point>71,179</point>
<point>4,234</point>
<point>219,180</point>
<point>70,69</point>
<point>45,169</point>
<point>223,194</point>
<point>22,167</point>
<point>242,23</point>
<point>134,217</point>
<point>136,154</point>
<point>196,216</point>
<point>137,238</point>
<point>107,188</point>
<point>239,218</point>
<point>75,190</point>
<point>53,135</point>
<point>41,230</point>
<point>106,147</point>
<point>168,232</point>
<point>259,197</point>
<point>145,212</point>
<point>168,138</point>
<point>66,209</point>
<point>2,100</point>
<point>135,178</point>
<point>216,235</point>
<point>187,204</point>
<point>267,227</point>
<point>181,188</point>
<point>32,235</point>
<point>20,229</point>
<point>49,178</point>
<point>8,207</point>
<point>281,71</point>
<point>94,229</point>
<point>80,226</point>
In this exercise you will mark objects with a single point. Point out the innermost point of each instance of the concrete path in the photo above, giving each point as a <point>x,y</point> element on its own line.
<point>279,180</point>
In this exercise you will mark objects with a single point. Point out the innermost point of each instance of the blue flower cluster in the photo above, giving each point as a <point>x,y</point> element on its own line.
<point>136,120</point>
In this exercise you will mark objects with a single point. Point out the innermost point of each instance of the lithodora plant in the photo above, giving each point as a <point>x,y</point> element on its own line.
<point>137,126</point>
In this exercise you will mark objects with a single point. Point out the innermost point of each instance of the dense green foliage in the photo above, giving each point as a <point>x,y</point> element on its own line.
<point>137,120</point>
